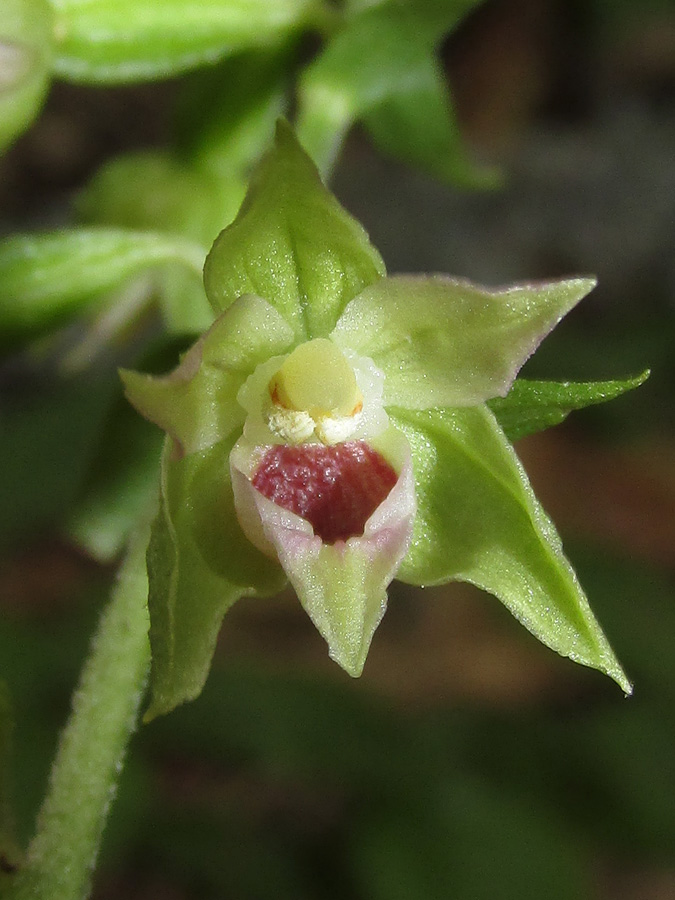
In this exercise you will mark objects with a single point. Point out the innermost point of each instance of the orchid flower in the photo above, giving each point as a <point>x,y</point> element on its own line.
<point>331,429</point>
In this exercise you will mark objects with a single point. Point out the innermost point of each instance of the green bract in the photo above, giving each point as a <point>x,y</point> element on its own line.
<point>382,69</point>
<point>427,353</point>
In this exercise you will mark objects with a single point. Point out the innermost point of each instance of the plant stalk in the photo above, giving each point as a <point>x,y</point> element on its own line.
<point>60,859</point>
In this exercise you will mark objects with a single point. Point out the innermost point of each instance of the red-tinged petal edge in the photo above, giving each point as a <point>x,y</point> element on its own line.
<point>336,488</point>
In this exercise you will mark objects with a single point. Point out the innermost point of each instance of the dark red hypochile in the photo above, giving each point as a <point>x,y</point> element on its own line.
<point>335,488</point>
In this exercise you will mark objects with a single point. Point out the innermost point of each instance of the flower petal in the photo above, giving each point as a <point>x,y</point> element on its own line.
<point>197,403</point>
<point>342,586</point>
<point>293,244</point>
<point>446,342</point>
<point>199,564</point>
<point>479,521</point>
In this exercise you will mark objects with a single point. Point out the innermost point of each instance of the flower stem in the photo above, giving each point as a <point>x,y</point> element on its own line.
<point>60,859</point>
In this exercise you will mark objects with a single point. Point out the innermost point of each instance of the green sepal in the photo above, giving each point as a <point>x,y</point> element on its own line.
<point>26,37</point>
<point>197,403</point>
<point>44,278</point>
<point>442,341</point>
<point>382,68</point>
<point>134,40</point>
<point>292,244</point>
<point>199,564</point>
<point>479,521</point>
<point>532,406</point>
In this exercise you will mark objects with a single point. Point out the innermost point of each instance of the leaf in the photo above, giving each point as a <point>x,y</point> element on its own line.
<point>199,564</point>
<point>121,485</point>
<point>381,67</point>
<point>25,58</point>
<point>531,406</point>
<point>293,245</point>
<point>446,342</point>
<point>47,445</point>
<point>418,126</point>
<point>479,521</point>
<point>134,40</point>
<point>45,278</point>
<point>197,402</point>
<point>227,114</point>
<point>157,193</point>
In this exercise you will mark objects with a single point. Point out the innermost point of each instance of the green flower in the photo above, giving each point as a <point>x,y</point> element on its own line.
<point>331,429</point>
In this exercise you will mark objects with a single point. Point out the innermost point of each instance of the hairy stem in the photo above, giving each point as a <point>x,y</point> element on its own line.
<point>60,859</point>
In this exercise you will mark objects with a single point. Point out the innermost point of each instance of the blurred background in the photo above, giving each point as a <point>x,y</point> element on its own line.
<point>469,761</point>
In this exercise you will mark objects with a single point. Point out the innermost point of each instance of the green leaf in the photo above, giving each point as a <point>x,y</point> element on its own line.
<point>227,114</point>
<point>382,67</point>
<point>133,40</point>
<point>446,342</point>
<point>25,56</point>
<point>479,521</point>
<point>197,403</point>
<point>199,564</point>
<point>418,126</point>
<point>47,445</point>
<point>45,278</point>
<point>155,192</point>
<point>531,406</point>
<point>292,244</point>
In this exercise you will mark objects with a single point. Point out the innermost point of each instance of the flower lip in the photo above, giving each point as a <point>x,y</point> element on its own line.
<point>384,459</point>
<point>336,489</point>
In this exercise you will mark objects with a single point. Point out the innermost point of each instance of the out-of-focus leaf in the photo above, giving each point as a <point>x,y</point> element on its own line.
<point>133,40</point>
<point>157,193</point>
<point>531,406</point>
<point>225,122</point>
<point>44,278</point>
<point>382,67</point>
<point>122,482</point>
<point>46,447</point>
<point>226,114</point>
<point>418,126</point>
<point>26,36</point>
